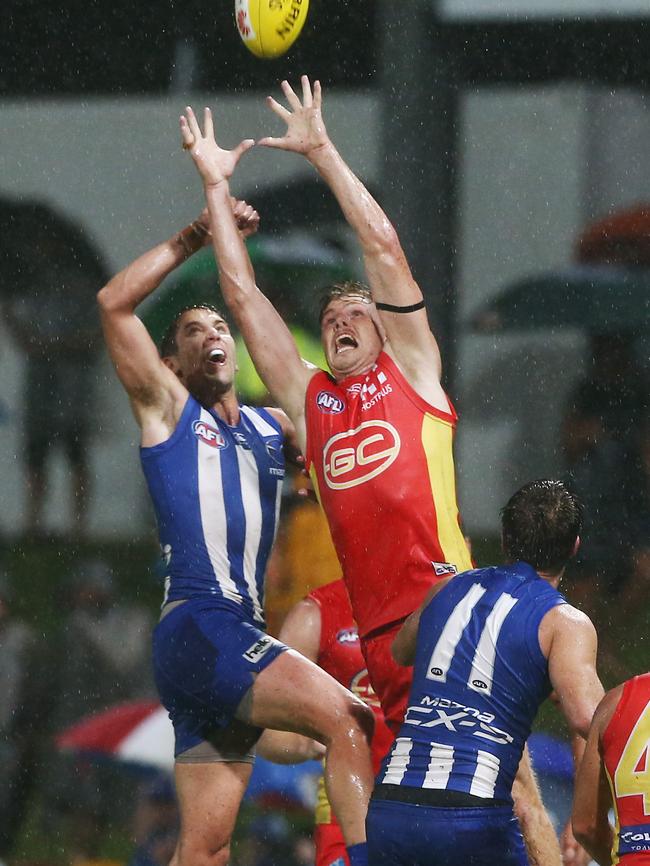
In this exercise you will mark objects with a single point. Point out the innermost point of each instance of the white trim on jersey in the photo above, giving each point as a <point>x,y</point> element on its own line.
<point>486,650</point>
<point>252,505</point>
<point>445,647</point>
<point>213,517</point>
<point>261,425</point>
<point>440,766</point>
<point>485,775</point>
<point>399,761</point>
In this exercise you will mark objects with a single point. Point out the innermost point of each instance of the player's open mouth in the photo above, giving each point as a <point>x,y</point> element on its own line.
<point>217,356</point>
<point>344,342</point>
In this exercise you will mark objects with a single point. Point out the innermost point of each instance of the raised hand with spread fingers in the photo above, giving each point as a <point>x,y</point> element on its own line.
<point>305,128</point>
<point>213,163</point>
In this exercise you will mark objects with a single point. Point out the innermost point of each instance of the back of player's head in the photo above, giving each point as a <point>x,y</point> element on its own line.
<point>348,289</point>
<point>540,525</point>
<point>168,345</point>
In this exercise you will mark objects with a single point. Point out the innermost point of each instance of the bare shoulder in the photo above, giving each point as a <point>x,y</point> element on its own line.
<point>565,622</point>
<point>568,616</point>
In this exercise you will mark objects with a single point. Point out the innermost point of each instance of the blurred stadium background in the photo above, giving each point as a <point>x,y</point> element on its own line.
<point>492,131</point>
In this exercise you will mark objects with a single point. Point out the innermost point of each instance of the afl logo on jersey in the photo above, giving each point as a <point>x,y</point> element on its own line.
<point>210,435</point>
<point>329,403</point>
<point>348,636</point>
<point>356,456</point>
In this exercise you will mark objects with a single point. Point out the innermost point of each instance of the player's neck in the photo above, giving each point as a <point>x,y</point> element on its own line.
<point>224,403</point>
<point>359,370</point>
<point>553,579</point>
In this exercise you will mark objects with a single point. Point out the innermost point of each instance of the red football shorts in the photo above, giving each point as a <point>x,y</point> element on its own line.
<point>330,847</point>
<point>391,682</point>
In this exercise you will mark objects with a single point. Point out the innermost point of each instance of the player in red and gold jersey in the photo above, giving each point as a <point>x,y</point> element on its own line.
<point>322,627</point>
<point>615,772</point>
<point>377,433</point>
<point>381,460</point>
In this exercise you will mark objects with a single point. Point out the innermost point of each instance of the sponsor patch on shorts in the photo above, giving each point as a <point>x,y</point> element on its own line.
<point>259,649</point>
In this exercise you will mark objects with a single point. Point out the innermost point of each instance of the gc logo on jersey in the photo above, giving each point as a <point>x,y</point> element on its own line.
<point>329,403</point>
<point>208,434</point>
<point>356,456</point>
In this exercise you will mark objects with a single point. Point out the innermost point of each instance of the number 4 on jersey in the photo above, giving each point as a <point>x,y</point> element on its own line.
<point>632,776</point>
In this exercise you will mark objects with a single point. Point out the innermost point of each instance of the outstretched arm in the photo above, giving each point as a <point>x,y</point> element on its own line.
<point>153,389</point>
<point>267,337</point>
<point>156,394</point>
<point>409,337</point>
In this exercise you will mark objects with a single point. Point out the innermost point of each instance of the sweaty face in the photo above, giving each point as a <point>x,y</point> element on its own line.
<point>351,335</point>
<point>205,350</point>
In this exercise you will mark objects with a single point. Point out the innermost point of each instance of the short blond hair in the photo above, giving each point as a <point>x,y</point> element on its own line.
<point>338,291</point>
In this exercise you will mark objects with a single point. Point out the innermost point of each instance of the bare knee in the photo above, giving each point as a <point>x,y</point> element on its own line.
<point>352,721</point>
<point>203,854</point>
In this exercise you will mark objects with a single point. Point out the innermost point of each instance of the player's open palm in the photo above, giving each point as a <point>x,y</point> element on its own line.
<point>305,128</point>
<point>214,164</point>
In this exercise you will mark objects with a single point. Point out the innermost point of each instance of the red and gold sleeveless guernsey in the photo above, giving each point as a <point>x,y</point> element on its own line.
<point>340,655</point>
<point>381,461</point>
<point>626,755</point>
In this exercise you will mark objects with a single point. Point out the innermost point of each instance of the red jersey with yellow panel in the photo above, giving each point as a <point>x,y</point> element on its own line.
<point>626,755</point>
<point>381,460</point>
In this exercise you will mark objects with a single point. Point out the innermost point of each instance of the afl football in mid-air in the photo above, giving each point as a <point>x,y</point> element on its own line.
<point>268,28</point>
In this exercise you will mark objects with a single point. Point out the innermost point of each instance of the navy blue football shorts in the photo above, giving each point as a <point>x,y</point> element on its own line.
<point>405,834</point>
<point>205,657</point>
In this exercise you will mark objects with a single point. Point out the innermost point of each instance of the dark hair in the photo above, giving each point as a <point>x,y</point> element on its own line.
<point>346,289</point>
<point>168,345</point>
<point>540,524</point>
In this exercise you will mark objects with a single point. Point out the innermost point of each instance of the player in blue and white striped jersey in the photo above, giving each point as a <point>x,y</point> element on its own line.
<point>488,646</point>
<point>214,470</point>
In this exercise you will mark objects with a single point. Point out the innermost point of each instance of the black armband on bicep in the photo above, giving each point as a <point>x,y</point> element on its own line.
<point>392,308</point>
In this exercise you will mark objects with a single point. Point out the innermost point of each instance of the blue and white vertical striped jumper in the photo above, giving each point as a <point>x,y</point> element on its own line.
<point>478,680</point>
<point>216,491</point>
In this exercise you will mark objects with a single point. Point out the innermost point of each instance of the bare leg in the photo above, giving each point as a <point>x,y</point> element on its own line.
<point>208,797</point>
<point>541,840</point>
<point>294,694</point>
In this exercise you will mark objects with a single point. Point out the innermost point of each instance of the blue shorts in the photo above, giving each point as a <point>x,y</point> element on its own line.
<point>405,834</point>
<point>204,659</point>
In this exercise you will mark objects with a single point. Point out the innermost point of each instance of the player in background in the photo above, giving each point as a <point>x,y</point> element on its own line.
<point>487,647</point>
<point>322,628</point>
<point>615,773</point>
<point>214,470</point>
<point>377,432</point>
